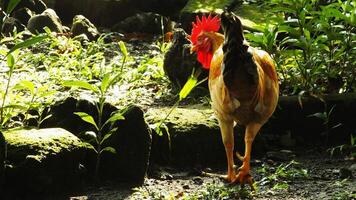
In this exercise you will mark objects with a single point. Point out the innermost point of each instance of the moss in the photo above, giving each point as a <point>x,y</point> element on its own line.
<point>39,143</point>
<point>196,6</point>
<point>256,17</point>
<point>253,16</point>
<point>184,118</point>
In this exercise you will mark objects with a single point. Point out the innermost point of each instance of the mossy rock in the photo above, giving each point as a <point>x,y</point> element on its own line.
<point>193,136</point>
<point>82,25</point>
<point>254,17</point>
<point>131,140</point>
<point>205,6</point>
<point>42,161</point>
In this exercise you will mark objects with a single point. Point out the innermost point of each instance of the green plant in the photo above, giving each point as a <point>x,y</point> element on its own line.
<point>13,56</point>
<point>216,191</point>
<point>34,104</point>
<point>314,46</point>
<point>278,176</point>
<point>99,136</point>
<point>100,91</point>
<point>325,117</point>
<point>11,5</point>
<point>191,83</point>
<point>349,149</point>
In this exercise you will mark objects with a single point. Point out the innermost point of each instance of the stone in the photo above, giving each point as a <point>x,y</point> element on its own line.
<point>282,155</point>
<point>345,173</point>
<point>353,168</point>
<point>82,38</point>
<point>81,25</point>
<point>23,15</point>
<point>37,6</point>
<point>287,140</point>
<point>143,23</point>
<point>198,180</point>
<point>193,138</point>
<point>131,140</point>
<point>11,24</point>
<point>108,13</point>
<point>179,62</point>
<point>48,19</point>
<point>42,161</point>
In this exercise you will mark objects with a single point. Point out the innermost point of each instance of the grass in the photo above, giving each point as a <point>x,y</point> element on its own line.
<point>278,177</point>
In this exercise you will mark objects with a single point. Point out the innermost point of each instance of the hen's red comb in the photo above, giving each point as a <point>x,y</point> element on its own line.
<point>207,24</point>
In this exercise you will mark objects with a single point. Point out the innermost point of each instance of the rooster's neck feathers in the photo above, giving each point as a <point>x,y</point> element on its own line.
<point>236,54</point>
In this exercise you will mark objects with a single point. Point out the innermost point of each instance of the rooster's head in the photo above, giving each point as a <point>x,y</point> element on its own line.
<point>201,42</point>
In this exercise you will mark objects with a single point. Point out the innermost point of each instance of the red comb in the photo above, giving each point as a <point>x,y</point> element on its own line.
<point>207,24</point>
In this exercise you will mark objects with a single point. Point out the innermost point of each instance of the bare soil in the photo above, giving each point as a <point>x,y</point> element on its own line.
<point>325,179</point>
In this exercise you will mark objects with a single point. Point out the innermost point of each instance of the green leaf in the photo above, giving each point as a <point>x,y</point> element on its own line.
<point>123,48</point>
<point>10,61</point>
<point>12,5</point>
<point>319,115</point>
<point>109,149</point>
<point>105,83</point>
<point>15,106</point>
<point>48,116</point>
<point>28,42</point>
<point>87,118</point>
<point>188,87</point>
<point>91,134</point>
<point>115,117</point>
<point>27,85</point>
<point>47,93</point>
<point>108,135</point>
<point>81,84</point>
<point>307,34</point>
<point>115,79</point>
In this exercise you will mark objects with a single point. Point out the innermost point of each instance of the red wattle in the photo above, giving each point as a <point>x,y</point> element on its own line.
<point>205,59</point>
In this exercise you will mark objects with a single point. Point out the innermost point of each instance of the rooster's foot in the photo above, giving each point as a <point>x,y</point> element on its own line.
<point>243,178</point>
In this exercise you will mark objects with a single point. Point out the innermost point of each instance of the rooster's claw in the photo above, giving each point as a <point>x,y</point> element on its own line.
<point>243,179</point>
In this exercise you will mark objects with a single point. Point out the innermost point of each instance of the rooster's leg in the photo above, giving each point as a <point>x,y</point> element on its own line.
<point>227,134</point>
<point>244,176</point>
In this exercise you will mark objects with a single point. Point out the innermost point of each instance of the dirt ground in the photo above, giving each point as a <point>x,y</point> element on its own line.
<point>311,176</point>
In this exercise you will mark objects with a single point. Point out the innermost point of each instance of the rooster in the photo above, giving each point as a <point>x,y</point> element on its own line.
<point>243,84</point>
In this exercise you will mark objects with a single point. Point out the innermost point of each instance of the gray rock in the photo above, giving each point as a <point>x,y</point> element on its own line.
<point>132,140</point>
<point>108,13</point>
<point>23,15</point>
<point>48,19</point>
<point>194,137</point>
<point>345,173</point>
<point>42,161</point>
<point>282,155</point>
<point>133,144</point>
<point>82,38</point>
<point>37,6</point>
<point>287,140</point>
<point>82,25</point>
<point>353,168</point>
<point>10,24</point>
<point>179,62</point>
<point>143,23</point>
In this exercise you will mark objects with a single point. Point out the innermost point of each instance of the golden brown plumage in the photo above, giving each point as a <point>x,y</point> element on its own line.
<point>243,87</point>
